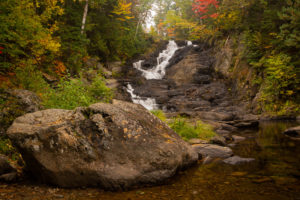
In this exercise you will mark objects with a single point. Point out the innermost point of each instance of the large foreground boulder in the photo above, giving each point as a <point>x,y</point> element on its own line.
<point>113,146</point>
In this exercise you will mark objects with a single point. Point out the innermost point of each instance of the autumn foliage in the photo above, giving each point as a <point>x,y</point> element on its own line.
<point>204,7</point>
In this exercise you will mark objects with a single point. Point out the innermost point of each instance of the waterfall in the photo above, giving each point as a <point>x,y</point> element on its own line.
<point>148,103</point>
<point>158,71</point>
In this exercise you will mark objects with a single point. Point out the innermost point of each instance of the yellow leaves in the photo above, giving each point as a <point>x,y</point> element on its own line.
<point>49,43</point>
<point>123,10</point>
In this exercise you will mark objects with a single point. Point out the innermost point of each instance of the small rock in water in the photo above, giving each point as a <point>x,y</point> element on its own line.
<point>263,180</point>
<point>237,138</point>
<point>213,151</point>
<point>58,195</point>
<point>238,173</point>
<point>293,133</point>
<point>235,160</point>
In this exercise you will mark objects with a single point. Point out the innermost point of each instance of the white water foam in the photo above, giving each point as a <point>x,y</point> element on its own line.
<point>158,71</point>
<point>148,103</point>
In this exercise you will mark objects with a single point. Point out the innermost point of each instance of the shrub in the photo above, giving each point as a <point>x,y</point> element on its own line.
<point>185,129</point>
<point>74,93</point>
<point>188,131</point>
<point>160,114</point>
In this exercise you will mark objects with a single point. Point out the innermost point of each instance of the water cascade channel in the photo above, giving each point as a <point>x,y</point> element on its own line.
<point>156,72</point>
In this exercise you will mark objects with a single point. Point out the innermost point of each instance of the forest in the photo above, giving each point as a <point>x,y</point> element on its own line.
<point>57,37</point>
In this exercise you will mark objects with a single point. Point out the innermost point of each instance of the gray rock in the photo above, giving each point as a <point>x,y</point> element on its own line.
<point>113,146</point>
<point>219,140</point>
<point>7,172</point>
<point>218,116</point>
<point>237,138</point>
<point>27,98</point>
<point>5,167</point>
<point>236,160</point>
<point>112,83</point>
<point>213,151</point>
<point>9,177</point>
<point>197,141</point>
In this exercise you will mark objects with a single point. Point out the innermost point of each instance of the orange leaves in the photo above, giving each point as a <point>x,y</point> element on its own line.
<point>60,68</point>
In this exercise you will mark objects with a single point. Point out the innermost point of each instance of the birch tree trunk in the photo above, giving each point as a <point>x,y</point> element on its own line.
<point>86,7</point>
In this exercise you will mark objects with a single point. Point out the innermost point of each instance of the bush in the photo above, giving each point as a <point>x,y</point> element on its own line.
<point>7,149</point>
<point>74,93</point>
<point>30,78</point>
<point>188,131</point>
<point>160,114</point>
<point>185,129</point>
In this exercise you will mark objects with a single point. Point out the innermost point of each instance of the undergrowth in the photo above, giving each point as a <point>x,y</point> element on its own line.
<point>186,129</point>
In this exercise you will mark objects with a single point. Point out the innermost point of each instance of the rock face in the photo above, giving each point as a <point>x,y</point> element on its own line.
<point>194,86</point>
<point>113,146</point>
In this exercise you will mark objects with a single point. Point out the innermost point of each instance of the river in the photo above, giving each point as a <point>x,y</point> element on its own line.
<point>275,174</point>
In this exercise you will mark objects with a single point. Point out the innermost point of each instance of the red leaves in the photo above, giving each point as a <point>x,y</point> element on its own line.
<point>1,48</point>
<point>202,7</point>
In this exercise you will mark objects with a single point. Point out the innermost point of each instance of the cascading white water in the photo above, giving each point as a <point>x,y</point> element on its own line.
<point>148,103</point>
<point>158,71</point>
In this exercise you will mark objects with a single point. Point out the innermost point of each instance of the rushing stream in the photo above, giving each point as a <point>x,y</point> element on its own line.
<point>275,174</point>
<point>156,72</point>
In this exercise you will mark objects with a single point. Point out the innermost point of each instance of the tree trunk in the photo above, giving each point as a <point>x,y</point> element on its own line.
<point>86,7</point>
<point>136,30</point>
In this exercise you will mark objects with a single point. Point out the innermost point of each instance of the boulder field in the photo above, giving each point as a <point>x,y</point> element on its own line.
<point>112,146</point>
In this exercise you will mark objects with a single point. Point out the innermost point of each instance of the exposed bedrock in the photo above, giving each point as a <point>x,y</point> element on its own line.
<point>113,146</point>
<point>195,86</point>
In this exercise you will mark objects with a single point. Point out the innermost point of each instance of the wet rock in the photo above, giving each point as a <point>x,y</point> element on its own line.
<point>113,146</point>
<point>197,141</point>
<point>293,132</point>
<point>203,79</point>
<point>262,180</point>
<point>5,167</point>
<point>219,140</point>
<point>217,116</point>
<point>9,177</point>
<point>7,172</point>
<point>207,160</point>
<point>186,71</point>
<point>236,160</point>
<point>237,138</point>
<point>213,151</point>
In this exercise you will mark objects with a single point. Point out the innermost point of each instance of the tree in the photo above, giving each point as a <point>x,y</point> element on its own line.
<point>204,8</point>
